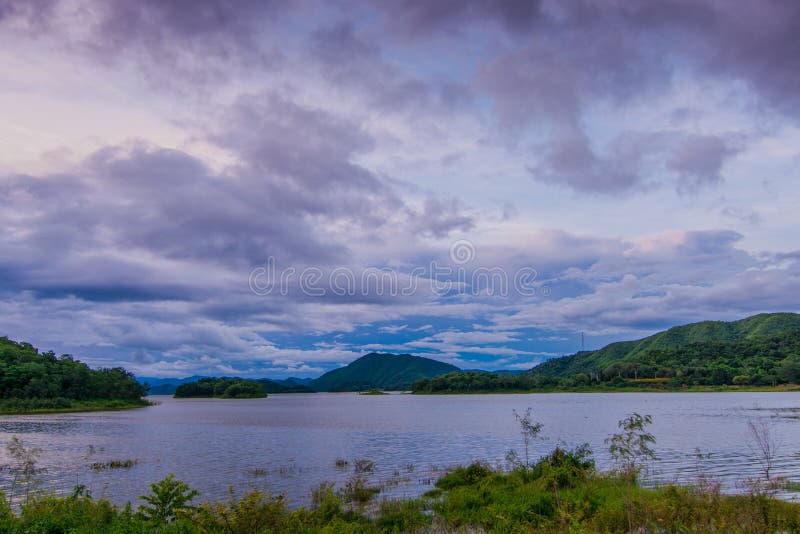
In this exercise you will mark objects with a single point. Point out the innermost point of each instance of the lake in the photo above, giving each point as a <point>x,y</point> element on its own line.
<point>290,443</point>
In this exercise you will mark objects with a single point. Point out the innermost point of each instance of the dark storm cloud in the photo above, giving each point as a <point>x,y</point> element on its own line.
<point>153,202</point>
<point>124,224</point>
<point>301,159</point>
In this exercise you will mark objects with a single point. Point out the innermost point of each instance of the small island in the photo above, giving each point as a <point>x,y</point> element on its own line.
<point>373,391</point>
<point>41,382</point>
<point>221,388</point>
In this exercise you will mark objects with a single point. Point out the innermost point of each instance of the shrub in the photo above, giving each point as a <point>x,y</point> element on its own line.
<point>464,476</point>
<point>168,499</point>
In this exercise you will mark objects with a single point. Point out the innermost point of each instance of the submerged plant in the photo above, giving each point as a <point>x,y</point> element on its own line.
<point>764,443</point>
<point>24,470</point>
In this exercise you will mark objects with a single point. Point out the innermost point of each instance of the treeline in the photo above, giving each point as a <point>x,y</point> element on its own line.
<point>223,388</point>
<point>767,361</point>
<point>32,379</point>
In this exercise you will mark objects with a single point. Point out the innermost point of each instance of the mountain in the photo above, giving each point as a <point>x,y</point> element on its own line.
<point>768,360</point>
<point>758,326</point>
<point>381,371</point>
<point>294,381</point>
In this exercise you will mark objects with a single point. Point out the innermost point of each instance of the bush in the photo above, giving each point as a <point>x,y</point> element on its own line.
<point>564,468</point>
<point>168,500</point>
<point>464,476</point>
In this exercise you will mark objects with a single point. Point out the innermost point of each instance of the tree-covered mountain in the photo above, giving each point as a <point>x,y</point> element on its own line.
<point>32,380</point>
<point>757,326</point>
<point>381,371</point>
<point>763,350</point>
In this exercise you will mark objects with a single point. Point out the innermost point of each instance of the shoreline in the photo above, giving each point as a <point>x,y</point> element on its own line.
<point>81,407</point>
<point>787,388</point>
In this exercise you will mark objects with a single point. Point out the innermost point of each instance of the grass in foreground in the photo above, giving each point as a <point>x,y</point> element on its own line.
<point>560,493</point>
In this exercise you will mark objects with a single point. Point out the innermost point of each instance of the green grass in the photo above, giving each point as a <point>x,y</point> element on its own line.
<point>560,493</point>
<point>61,405</point>
<point>472,499</point>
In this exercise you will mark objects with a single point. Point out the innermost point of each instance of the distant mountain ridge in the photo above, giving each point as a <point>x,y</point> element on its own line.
<point>381,371</point>
<point>756,326</point>
<point>372,371</point>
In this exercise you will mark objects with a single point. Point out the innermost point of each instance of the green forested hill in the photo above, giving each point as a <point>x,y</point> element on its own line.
<point>33,380</point>
<point>757,326</point>
<point>382,371</point>
<point>763,350</point>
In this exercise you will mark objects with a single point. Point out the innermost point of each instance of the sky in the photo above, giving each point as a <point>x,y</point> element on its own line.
<point>273,189</point>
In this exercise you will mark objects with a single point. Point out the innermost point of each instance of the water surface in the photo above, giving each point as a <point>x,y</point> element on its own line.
<point>289,443</point>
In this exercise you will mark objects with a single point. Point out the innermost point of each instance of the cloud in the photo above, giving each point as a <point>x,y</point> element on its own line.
<point>366,136</point>
<point>698,160</point>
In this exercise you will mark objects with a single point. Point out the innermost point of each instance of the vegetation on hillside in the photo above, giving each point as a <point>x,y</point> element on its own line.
<point>33,381</point>
<point>222,388</point>
<point>755,327</point>
<point>381,371</point>
<point>753,361</point>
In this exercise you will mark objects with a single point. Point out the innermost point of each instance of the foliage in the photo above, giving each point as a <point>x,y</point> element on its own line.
<point>224,388</point>
<point>357,490</point>
<point>561,492</point>
<point>630,449</point>
<point>529,431</point>
<point>168,499</point>
<point>755,361</point>
<point>34,381</point>
<point>381,371</point>
<point>752,328</point>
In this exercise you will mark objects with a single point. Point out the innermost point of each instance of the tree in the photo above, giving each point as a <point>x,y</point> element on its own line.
<point>630,449</point>
<point>789,369</point>
<point>529,431</point>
